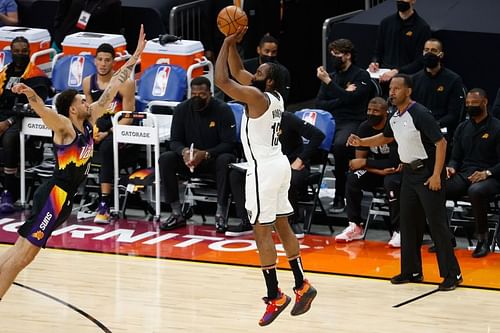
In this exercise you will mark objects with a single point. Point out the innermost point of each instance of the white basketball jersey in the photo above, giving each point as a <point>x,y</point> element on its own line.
<point>260,136</point>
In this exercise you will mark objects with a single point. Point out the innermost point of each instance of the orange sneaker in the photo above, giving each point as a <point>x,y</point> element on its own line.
<point>274,308</point>
<point>303,298</point>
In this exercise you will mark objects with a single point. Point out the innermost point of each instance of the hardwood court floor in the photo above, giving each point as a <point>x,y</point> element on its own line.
<point>215,286</point>
<point>133,294</point>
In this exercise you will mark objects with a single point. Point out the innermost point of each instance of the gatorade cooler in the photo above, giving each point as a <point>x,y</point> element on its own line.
<point>39,40</point>
<point>88,42</point>
<point>182,53</point>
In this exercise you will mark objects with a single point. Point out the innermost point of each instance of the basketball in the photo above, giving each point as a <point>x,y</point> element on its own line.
<point>230,18</point>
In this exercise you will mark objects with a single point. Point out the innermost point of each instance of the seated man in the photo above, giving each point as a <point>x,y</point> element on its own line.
<point>19,70</point>
<point>474,168</point>
<point>291,132</point>
<point>203,136</point>
<point>438,88</point>
<point>93,87</point>
<point>344,93</point>
<point>373,167</point>
<point>267,51</point>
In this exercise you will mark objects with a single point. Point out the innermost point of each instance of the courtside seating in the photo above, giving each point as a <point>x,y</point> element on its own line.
<point>161,82</point>
<point>324,121</point>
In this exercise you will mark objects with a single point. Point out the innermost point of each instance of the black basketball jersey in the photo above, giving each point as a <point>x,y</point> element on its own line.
<point>96,92</point>
<point>73,160</point>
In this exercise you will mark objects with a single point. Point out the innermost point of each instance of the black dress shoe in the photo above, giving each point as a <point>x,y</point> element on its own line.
<point>481,249</point>
<point>220,224</point>
<point>172,222</point>
<point>450,282</point>
<point>400,279</point>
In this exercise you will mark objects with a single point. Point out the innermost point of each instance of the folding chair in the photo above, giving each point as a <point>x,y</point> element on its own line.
<point>461,217</point>
<point>378,207</point>
<point>324,121</point>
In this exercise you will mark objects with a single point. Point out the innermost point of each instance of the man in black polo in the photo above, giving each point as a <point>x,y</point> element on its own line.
<point>422,150</point>
<point>401,38</point>
<point>439,89</point>
<point>344,93</point>
<point>474,168</point>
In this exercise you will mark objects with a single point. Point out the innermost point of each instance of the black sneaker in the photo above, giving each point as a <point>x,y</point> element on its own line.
<point>297,230</point>
<point>172,222</point>
<point>401,279</point>
<point>451,282</point>
<point>242,229</point>
<point>338,205</point>
<point>220,224</point>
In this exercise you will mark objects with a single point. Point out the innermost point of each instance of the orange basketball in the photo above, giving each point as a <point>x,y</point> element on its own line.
<point>230,18</point>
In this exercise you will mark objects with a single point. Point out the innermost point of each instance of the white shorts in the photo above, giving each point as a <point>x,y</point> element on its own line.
<point>266,190</point>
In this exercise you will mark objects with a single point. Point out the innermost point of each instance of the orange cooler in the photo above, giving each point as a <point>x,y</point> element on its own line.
<point>88,42</point>
<point>39,40</point>
<point>182,53</point>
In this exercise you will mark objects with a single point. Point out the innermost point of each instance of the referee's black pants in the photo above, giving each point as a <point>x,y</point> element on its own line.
<point>418,203</point>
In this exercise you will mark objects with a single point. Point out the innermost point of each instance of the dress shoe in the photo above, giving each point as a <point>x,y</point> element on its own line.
<point>172,222</point>
<point>401,279</point>
<point>450,282</point>
<point>481,249</point>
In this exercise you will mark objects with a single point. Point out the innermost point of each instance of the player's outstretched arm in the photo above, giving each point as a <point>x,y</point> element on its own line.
<point>56,122</point>
<point>254,98</point>
<point>99,107</point>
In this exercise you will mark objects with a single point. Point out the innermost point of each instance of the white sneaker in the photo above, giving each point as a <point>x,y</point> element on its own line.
<point>395,240</point>
<point>352,232</point>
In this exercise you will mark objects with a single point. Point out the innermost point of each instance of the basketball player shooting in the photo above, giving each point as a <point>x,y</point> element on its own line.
<point>73,147</point>
<point>268,175</point>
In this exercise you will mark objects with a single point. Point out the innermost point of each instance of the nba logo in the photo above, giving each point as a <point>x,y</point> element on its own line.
<point>75,74</point>
<point>2,59</point>
<point>161,80</point>
<point>310,117</point>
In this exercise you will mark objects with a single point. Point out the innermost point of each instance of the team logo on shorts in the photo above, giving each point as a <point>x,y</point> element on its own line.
<point>38,235</point>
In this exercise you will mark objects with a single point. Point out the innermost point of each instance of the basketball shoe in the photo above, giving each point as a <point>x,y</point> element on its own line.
<point>274,308</point>
<point>351,233</point>
<point>103,214</point>
<point>303,298</point>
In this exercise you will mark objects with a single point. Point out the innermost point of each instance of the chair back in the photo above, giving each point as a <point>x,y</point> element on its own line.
<point>322,120</point>
<point>69,72</point>
<point>161,82</point>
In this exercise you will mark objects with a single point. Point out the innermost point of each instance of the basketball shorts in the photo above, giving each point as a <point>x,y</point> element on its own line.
<point>266,190</point>
<point>52,205</point>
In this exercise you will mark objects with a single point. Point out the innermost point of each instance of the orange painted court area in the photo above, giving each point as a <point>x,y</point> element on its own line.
<point>200,243</point>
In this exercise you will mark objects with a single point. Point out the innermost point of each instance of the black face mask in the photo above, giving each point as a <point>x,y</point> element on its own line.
<point>337,63</point>
<point>431,60</point>
<point>473,110</point>
<point>266,58</point>
<point>403,6</point>
<point>21,60</point>
<point>198,103</point>
<point>260,84</point>
<point>374,119</point>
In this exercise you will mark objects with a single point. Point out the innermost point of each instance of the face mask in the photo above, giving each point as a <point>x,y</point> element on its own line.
<point>20,60</point>
<point>266,58</point>
<point>198,103</point>
<point>374,119</point>
<point>431,60</point>
<point>403,6</point>
<point>337,63</point>
<point>259,84</point>
<point>474,110</point>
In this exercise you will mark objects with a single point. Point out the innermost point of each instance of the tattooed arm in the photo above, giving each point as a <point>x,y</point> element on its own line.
<point>99,107</point>
<point>60,124</point>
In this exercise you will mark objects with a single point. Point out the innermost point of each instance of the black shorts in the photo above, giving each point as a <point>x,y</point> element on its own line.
<point>52,205</point>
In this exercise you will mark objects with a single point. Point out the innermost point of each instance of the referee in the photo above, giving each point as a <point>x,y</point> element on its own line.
<point>422,149</point>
